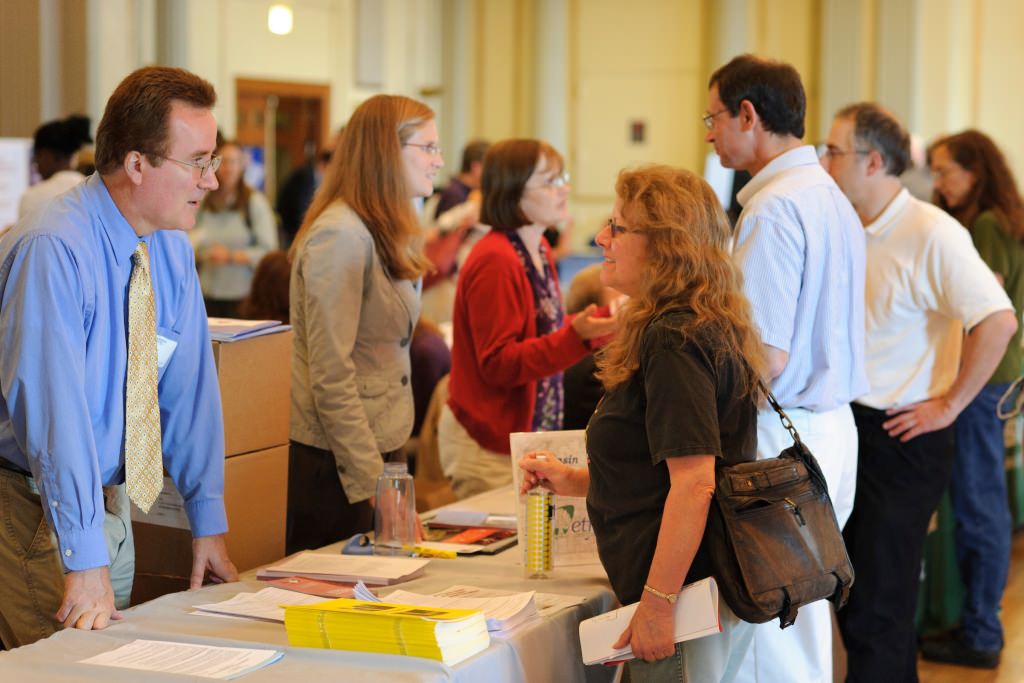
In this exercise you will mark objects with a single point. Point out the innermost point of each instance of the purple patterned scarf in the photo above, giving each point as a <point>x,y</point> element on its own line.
<point>547,303</point>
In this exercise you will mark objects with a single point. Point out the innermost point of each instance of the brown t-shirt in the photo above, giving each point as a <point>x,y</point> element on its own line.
<point>680,402</point>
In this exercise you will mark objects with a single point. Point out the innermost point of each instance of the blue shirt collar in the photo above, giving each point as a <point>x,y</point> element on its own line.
<point>121,237</point>
<point>804,155</point>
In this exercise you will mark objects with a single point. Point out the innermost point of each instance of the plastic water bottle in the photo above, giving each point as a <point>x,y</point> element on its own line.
<point>394,517</point>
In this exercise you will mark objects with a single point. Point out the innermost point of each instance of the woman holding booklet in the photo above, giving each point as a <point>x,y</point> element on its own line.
<point>682,381</point>
<point>355,298</point>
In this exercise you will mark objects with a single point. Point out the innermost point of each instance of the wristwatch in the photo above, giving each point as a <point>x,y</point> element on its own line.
<point>670,598</point>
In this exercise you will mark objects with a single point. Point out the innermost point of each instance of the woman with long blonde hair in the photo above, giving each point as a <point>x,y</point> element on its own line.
<point>355,298</point>
<point>682,388</point>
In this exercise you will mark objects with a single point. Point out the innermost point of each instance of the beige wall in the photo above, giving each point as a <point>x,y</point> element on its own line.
<point>575,71</point>
<point>941,65</point>
<point>646,65</point>
<point>20,112</point>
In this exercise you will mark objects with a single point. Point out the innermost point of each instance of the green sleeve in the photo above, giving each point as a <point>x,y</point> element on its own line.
<point>990,240</point>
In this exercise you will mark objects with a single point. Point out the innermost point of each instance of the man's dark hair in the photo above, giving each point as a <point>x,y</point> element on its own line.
<point>773,87</point>
<point>136,116</point>
<point>877,128</point>
<point>474,151</point>
<point>63,137</point>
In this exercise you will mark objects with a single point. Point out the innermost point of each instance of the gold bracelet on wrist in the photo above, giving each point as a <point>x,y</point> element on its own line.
<point>670,598</point>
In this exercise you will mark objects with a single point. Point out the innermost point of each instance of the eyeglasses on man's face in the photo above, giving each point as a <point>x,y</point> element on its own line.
<point>709,118</point>
<point>615,229</point>
<point>430,148</point>
<point>832,152</point>
<point>205,166</point>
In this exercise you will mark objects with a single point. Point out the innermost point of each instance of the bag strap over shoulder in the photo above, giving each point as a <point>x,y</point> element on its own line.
<point>786,422</point>
<point>800,449</point>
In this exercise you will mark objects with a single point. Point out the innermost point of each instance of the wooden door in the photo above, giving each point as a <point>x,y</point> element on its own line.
<point>287,120</point>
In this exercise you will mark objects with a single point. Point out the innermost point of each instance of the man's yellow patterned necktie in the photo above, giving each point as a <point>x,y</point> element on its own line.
<point>143,462</point>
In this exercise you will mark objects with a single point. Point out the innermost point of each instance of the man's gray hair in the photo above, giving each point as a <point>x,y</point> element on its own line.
<point>878,129</point>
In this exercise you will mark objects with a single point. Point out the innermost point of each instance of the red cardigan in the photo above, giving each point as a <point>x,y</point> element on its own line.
<point>497,356</point>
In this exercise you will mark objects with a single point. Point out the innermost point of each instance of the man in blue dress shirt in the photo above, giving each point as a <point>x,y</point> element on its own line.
<point>66,555</point>
<point>800,247</point>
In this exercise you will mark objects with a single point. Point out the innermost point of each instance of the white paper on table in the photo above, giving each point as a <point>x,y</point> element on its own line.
<point>696,615</point>
<point>550,603</point>
<point>473,518</point>
<point>546,603</point>
<point>501,611</point>
<point>457,517</point>
<point>573,541</point>
<point>370,569</point>
<point>264,604</point>
<point>205,661</point>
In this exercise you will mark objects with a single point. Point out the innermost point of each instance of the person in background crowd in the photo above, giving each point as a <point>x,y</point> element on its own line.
<point>457,190</point>
<point>918,178</point>
<point>974,183</point>
<point>297,191</point>
<point>235,228</point>
<point>800,247</point>
<point>94,406</point>
<point>268,296</point>
<point>511,338</point>
<point>355,298</point>
<point>431,360</point>
<point>925,286</point>
<point>54,151</point>
<point>583,390</point>
<point>652,448</point>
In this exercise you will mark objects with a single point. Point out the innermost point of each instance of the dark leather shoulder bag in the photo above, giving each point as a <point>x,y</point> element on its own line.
<point>774,541</point>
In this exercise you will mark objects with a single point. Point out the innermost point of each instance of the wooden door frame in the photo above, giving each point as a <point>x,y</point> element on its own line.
<point>311,91</point>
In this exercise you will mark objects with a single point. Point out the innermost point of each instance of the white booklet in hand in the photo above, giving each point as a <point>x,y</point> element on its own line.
<point>696,616</point>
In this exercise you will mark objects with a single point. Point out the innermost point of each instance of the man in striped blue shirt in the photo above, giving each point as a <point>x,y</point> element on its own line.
<point>800,247</point>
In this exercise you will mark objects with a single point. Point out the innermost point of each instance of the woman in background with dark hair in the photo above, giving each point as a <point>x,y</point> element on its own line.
<point>54,151</point>
<point>511,338</point>
<point>235,227</point>
<point>355,299</point>
<point>975,185</point>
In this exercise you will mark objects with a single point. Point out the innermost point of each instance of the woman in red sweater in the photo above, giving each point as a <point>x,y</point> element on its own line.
<point>511,338</point>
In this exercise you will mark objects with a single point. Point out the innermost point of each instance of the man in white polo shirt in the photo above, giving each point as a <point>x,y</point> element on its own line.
<point>800,248</point>
<point>925,285</point>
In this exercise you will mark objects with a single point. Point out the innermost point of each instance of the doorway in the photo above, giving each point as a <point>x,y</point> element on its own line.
<point>283,121</point>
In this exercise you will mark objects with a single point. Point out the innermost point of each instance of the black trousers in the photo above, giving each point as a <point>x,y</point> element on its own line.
<point>318,510</point>
<point>898,487</point>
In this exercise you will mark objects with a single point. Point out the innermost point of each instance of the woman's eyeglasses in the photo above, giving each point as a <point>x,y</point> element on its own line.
<point>559,181</point>
<point>430,148</point>
<point>615,229</point>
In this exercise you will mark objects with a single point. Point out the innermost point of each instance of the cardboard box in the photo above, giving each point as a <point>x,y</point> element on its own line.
<point>255,498</point>
<point>255,378</point>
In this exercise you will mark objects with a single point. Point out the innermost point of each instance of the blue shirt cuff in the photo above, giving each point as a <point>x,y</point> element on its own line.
<point>207,517</point>
<point>82,549</point>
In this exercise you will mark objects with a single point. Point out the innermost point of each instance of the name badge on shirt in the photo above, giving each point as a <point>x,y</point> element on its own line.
<point>164,349</point>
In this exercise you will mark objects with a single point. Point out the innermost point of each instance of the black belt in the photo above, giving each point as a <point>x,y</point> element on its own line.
<point>8,465</point>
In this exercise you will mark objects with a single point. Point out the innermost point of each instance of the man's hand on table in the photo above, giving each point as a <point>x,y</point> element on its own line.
<point>88,599</point>
<point>209,554</point>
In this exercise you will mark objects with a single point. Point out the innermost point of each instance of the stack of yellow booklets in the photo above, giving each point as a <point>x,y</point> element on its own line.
<point>447,635</point>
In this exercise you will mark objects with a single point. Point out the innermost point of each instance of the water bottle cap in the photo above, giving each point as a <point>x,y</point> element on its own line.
<point>396,468</point>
